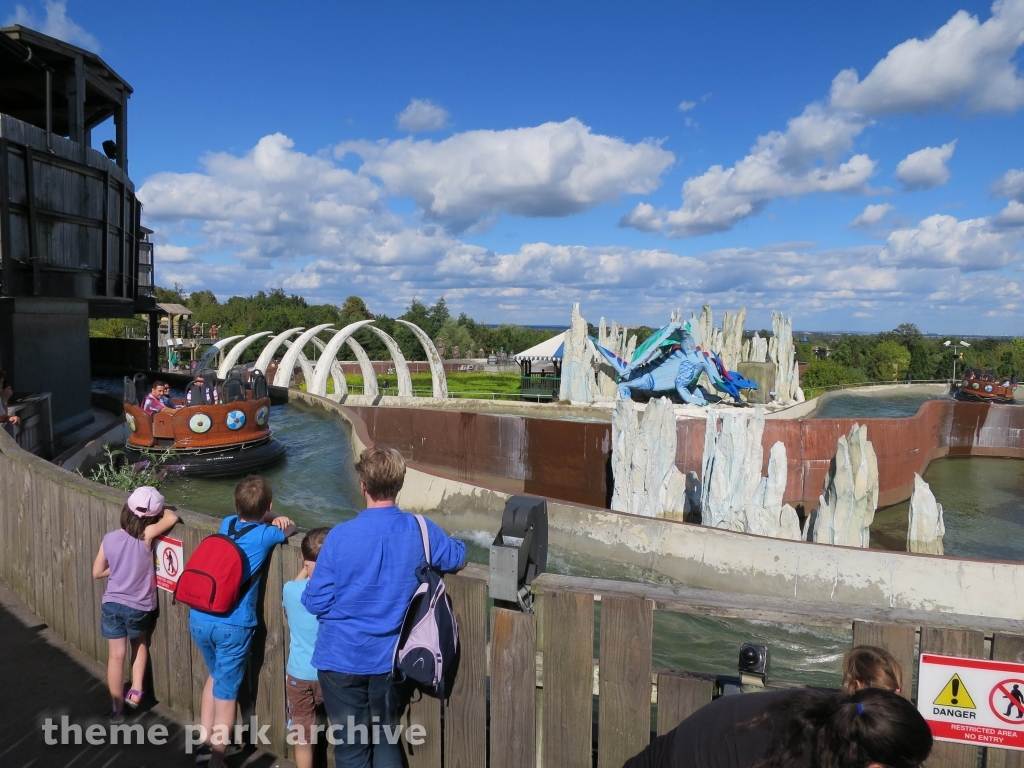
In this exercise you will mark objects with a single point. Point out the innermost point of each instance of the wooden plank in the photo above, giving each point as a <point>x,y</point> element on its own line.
<point>270,656</point>
<point>6,254</point>
<point>33,221</point>
<point>513,689</point>
<point>966,644</point>
<point>679,696</point>
<point>567,634</point>
<point>179,652</point>
<point>627,640</point>
<point>53,614</point>
<point>101,525</point>
<point>1006,647</point>
<point>899,641</point>
<point>159,654</point>
<point>68,555</point>
<point>83,576</point>
<point>465,720</point>
<point>709,602</point>
<point>426,712</point>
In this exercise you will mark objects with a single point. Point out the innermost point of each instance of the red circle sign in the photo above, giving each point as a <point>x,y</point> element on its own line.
<point>170,562</point>
<point>1007,701</point>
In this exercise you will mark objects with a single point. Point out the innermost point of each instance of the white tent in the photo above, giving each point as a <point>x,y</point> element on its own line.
<point>546,350</point>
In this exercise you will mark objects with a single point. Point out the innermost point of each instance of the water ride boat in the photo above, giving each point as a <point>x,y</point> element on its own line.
<point>985,387</point>
<point>215,431</point>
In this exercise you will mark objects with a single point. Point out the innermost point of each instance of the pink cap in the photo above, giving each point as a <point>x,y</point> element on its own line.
<point>146,501</point>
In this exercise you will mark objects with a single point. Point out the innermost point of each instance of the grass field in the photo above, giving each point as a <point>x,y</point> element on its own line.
<point>465,384</point>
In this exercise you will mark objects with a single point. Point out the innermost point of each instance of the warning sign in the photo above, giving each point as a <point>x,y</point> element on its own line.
<point>972,701</point>
<point>169,558</point>
<point>955,695</point>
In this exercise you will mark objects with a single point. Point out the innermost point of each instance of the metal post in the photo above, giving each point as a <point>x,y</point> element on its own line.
<point>49,111</point>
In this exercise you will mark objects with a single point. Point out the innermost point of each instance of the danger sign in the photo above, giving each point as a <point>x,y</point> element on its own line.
<point>972,701</point>
<point>169,558</point>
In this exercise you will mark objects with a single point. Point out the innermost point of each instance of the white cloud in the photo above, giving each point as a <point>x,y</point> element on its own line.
<point>940,240</point>
<point>554,169</point>
<point>1011,185</point>
<point>1011,216</point>
<point>55,24</point>
<point>686,106</point>
<point>964,61</point>
<point>173,254</point>
<point>422,115</point>
<point>871,215</point>
<point>925,168</point>
<point>799,161</point>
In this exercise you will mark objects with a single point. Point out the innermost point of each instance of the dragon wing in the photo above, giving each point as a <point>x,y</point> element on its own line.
<point>652,348</point>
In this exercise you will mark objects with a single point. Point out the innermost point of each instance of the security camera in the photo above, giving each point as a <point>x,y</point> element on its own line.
<point>755,664</point>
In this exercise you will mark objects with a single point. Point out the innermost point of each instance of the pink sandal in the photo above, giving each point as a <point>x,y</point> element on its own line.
<point>137,701</point>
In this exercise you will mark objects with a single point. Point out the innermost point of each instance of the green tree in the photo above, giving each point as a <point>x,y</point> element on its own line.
<point>888,361</point>
<point>827,373</point>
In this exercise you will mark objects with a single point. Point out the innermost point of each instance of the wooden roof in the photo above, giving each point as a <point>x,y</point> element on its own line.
<point>174,309</point>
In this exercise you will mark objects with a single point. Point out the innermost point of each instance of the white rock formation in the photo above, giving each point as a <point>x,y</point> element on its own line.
<point>710,337</point>
<point>614,340</point>
<point>646,479</point>
<point>734,495</point>
<point>849,497</point>
<point>732,338</point>
<point>731,468</point>
<point>755,350</point>
<point>782,352</point>
<point>926,529</point>
<point>578,382</point>
<point>765,513</point>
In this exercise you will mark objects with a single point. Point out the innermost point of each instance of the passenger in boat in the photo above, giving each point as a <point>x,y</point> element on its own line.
<point>871,728</point>
<point>165,396</point>
<point>198,385</point>
<point>154,401</point>
<point>364,580</point>
<point>868,666</point>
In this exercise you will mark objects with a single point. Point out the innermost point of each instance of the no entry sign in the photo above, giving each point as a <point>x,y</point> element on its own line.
<point>972,701</point>
<point>169,557</point>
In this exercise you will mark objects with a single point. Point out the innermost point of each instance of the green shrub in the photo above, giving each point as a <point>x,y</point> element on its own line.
<point>827,373</point>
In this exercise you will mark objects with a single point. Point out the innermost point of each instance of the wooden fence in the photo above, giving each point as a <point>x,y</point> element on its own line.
<point>525,692</point>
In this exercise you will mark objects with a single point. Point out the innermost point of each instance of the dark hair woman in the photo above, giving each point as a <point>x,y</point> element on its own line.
<point>804,728</point>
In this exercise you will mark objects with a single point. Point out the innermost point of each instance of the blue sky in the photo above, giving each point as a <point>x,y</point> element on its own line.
<point>856,165</point>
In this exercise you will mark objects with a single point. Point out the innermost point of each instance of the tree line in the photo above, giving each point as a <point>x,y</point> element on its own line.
<point>900,354</point>
<point>276,311</point>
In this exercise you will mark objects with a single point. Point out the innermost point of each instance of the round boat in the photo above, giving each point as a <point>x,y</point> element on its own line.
<point>208,440</point>
<point>985,387</point>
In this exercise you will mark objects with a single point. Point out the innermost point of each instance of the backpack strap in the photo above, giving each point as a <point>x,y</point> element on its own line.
<point>239,534</point>
<point>425,535</point>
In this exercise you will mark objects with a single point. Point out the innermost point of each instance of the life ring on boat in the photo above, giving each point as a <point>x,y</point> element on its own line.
<point>200,423</point>
<point>131,421</point>
<point>261,415</point>
<point>988,387</point>
<point>235,420</point>
<point>974,385</point>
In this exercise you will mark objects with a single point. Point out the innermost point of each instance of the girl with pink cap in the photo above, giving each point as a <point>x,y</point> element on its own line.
<point>125,558</point>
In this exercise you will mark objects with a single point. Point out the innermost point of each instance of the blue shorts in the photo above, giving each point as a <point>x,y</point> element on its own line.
<point>119,621</point>
<point>225,648</point>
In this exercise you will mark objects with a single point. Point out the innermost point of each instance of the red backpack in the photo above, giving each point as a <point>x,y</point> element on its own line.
<point>214,577</point>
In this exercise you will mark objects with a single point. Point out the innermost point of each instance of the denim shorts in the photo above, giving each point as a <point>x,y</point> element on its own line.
<point>118,621</point>
<point>225,648</point>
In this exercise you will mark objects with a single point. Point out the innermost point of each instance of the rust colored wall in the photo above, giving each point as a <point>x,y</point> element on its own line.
<point>570,460</point>
<point>566,460</point>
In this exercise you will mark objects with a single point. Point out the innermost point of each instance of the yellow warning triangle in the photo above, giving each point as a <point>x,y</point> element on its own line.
<point>955,695</point>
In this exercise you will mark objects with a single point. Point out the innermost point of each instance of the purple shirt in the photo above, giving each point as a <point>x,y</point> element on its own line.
<point>132,579</point>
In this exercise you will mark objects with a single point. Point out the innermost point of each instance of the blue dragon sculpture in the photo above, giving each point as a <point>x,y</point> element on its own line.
<point>670,360</point>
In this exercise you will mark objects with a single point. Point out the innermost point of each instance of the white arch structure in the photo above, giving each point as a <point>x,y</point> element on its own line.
<point>401,367</point>
<point>328,366</point>
<point>214,350</point>
<point>267,355</point>
<point>291,357</point>
<point>323,366</point>
<point>439,382</point>
<point>231,359</point>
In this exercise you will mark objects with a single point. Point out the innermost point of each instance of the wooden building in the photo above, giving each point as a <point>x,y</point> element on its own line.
<point>71,243</point>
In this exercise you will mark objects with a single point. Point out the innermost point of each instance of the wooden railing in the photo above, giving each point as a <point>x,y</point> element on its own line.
<point>525,691</point>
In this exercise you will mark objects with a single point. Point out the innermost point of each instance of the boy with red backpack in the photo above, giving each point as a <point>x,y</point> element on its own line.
<point>221,583</point>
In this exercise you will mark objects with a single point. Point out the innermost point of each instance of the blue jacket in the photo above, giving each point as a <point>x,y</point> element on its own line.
<point>364,579</point>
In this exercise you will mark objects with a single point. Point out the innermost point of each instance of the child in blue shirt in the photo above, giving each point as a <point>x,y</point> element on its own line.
<point>224,640</point>
<point>301,684</point>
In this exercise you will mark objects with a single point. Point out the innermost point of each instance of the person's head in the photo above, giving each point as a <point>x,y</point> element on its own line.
<point>871,728</point>
<point>381,472</point>
<point>199,378</point>
<point>867,666</point>
<point>311,544</point>
<point>144,507</point>
<point>253,498</point>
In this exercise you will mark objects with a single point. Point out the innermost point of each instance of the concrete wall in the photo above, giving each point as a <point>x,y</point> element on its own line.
<point>44,347</point>
<point>718,559</point>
